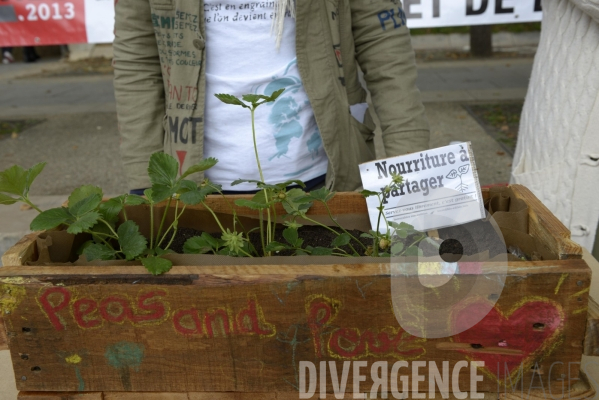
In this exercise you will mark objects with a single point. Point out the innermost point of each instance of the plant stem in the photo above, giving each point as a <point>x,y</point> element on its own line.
<point>100,238</point>
<point>246,253</point>
<point>375,249</point>
<point>171,241</point>
<point>261,214</point>
<point>415,241</point>
<point>177,217</point>
<point>151,225</point>
<point>256,147</point>
<point>329,228</point>
<point>214,216</point>
<point>342,228</point>
<point>116,236</point>
<point>27,201</point>
<point>164,217</point>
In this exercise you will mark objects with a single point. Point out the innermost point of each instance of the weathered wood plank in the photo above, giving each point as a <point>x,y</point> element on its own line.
<point>591,337</point>
<point>59,396</point>
<point>251,337</point>
<point>147,396</point>
<point>546,227</point>
<point>23,251</point>
<point>248,272</point>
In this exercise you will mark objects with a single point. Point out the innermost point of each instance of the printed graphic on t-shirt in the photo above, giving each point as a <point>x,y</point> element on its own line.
<point>239,11</point>
<point>285,114</point>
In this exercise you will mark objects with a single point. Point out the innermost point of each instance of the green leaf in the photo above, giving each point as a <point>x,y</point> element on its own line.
<point>157,265</point>
<point>301,253</point>
<point>397,248</point>
<point>98,252</point>
<point>203,165</point>
<point>275,246</point>
<point>401,234</point>
<point>238,181</point>
<point>297,202</point>
<point>251,204</point>
<point>85,245</point>
<point>4,199</point>
<point>82,193</point>
<point>254,98</point>
<point>275,94</point>
<point>196,196</point>
<point>323,194</point>
<point>322,251</point>
<point>84,222</point>
<point>291,236</point>
<point>200,244</point>
<point>368,193</point>
<point>193,197</point>
<point>86,205</point>
<point>161,252</point>
<point>102,228</point>
<point>32,173</point>
<point>149,193</point>
<point>163,170</point>
<point>341,240</point>
<point>187,186</point>
<point>50,219</point>
<point>402,225</point>
<point>413,251</point>
<point>367,235</point>
<point>13,180</point>
<point>135,200</point>
<point>284,185</point>
<point>230,99</point>
<point>162,192</point>
<point>110,209</point>
<point>132,242</point>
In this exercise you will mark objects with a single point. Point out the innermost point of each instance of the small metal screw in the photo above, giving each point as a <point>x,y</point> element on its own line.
<point>563,375</point>
<point>23,378</point>
<point>579,283</point>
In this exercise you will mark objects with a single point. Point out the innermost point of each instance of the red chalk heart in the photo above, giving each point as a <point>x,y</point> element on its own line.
<point>531,327</point>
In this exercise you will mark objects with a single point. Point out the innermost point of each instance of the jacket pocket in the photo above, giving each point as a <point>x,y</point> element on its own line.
<point>162,4</point>
<point>365,139</point>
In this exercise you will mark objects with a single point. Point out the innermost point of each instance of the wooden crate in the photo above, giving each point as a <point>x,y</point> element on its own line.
<point>240,330</point>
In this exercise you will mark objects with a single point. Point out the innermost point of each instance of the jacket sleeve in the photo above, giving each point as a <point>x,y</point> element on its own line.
<point>385,55</point>
<point>139,89</point>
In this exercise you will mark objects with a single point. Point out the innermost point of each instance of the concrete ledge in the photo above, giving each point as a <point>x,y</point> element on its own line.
<point>461,41</point>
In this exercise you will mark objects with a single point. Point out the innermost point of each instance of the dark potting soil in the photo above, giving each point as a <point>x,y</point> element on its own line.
<point>472,238</point>
<point>315,236</point>
<point>468,239</point>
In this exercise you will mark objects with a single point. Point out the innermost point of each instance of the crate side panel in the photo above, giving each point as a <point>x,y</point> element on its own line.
<point>251,337</point>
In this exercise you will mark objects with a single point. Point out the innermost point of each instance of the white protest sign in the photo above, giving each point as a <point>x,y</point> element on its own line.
<point>440,188</point>
<point>438,13</point>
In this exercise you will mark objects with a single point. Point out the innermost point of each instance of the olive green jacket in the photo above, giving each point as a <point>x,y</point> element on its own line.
<point>160,81</point>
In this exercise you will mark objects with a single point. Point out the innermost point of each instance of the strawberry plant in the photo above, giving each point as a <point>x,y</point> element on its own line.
<point>115,237</point>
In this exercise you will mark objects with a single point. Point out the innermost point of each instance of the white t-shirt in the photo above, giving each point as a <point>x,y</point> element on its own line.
<point>242,58</point>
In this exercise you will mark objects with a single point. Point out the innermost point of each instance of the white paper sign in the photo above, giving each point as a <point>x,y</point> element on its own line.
<point>440,188</point>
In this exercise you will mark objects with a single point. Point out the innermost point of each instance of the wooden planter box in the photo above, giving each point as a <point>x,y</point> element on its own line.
<point>239,328</point>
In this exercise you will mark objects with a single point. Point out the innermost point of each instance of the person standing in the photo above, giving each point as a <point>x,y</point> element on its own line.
<point>172,56</point>
<point>557,154</point>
